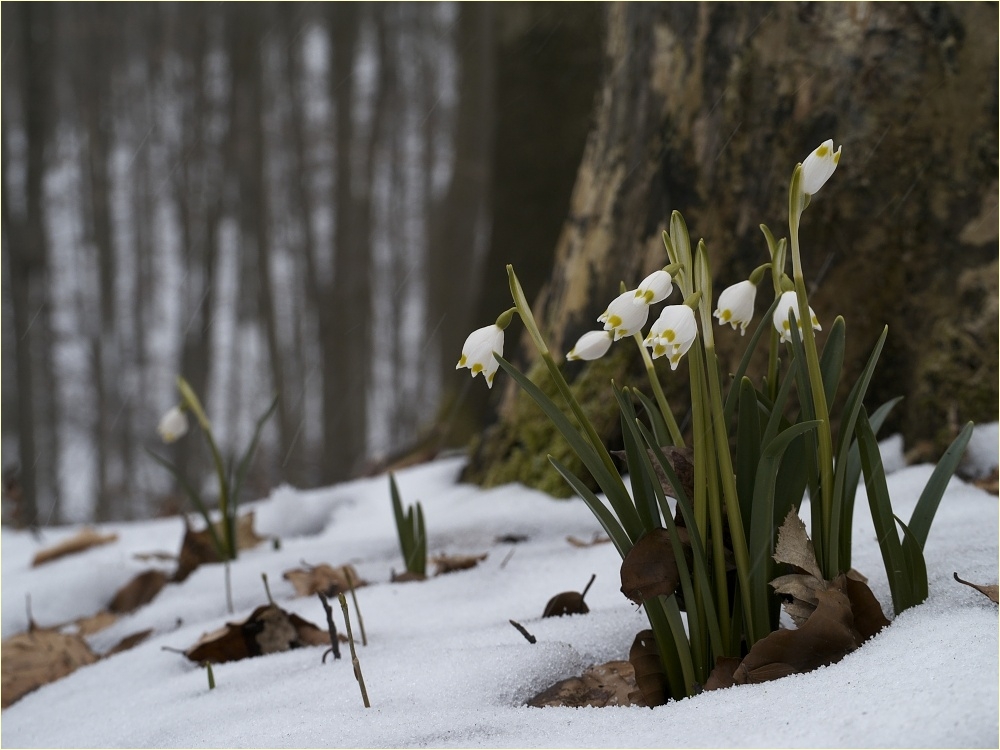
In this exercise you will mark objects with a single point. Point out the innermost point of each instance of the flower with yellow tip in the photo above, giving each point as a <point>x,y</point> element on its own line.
<point>819,166</point>
<point>654,288</point>
<point>591,345</point>
<point>672,334</point>
<point>173,425</point>
<point>622,317</point>
<point>788,304</point>
<point>736,305</point>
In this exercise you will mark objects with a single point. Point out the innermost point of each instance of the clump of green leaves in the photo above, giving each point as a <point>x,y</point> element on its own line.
<point>411,530</point>
<point>709,557</point>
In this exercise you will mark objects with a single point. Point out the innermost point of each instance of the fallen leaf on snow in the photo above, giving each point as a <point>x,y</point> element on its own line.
<point>197,547</point>
<point>38,657</point>
<point>989,591</point>
<point>95,623</point>
<point>611,684</point>
<point>568,602</point>
<point>650,679</point>
<point>140,590</point>
<point>451,563</point>
<point>83,540</point>
<point>596,539</point>
<point>323,579</point>
<point>267,630</point>
<point>129,641</point>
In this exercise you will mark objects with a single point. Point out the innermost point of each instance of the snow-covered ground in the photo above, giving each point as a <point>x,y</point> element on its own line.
<point>443,667</point>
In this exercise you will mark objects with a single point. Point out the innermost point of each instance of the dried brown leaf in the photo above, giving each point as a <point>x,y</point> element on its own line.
<point>722,675</point>
<point>95,623</point>
<point>988,590</point>
<point>197,547</point>
<point>406,576</point>
<point>451,563</point>
<point>869,618</point>
<point>798,594</point>
<point>610,684</point>
<point>323,579</point>
<point>794,546</point>
<point>129,641</point>
<point>825,638</point>
<point>566,603</point>
<point>140,590</point>
<point>681,460</point>
<point>38,657</point>
<point>650,569</point>
<point>596,539</point>
<point>644,657</point>
<point>79,542</point>
<point>268,629</point>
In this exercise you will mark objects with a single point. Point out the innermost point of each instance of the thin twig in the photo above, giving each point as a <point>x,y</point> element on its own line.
<point>587,587</point>
<point>521,629</point>
<point>334,639</point>
<point>267,589</point>
<point>211,676</point>
<point>354,655</point>
<point>507,558</point>
<point>354,597</point>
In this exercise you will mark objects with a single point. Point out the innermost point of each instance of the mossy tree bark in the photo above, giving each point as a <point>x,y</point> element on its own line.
<point>705,108</point>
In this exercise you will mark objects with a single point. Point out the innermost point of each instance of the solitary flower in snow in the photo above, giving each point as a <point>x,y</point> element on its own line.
<point>477,353</point>
<point>672,334</point>
<point>591,345</point>
<point>654,288</point>
<point>819,166</point>
<point>622,317</point>
<point>736,305</point>
<point>173,425</point>
<point>789,303</point>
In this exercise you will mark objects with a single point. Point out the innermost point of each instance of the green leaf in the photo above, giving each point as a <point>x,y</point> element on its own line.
<point>419,562</point>
<point>765,324</point>
<point>607,519</point>
<point>831,364</point>
<point>609,482</point>
<point>748,442</point>
<point>916,567</point>
<point>882,515</point>
<point>930,498</point>
<point>852,477</point>
<point>656,419</point>
<point>248,454</point>
<point>642,481</point>
<point>196,501</point>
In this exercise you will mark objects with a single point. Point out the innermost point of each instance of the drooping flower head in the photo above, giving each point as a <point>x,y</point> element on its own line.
<point>477,353</point>
<point>819,166</point>
<point>173,425</point>
<point>654,288</point>
<point>735,305</point>
<point>622,317</point>
<point>672,333</point>
<point>789,303</point>
<point>591,345</point>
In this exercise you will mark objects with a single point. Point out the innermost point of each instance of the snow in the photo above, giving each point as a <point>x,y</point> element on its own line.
<point>443,667</point>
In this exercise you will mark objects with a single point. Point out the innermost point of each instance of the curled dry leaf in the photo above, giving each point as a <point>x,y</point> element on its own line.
<point>129,641</point>
<point>79,542</point>
<point>611,684</point>
<point>568,602</point>
<point>825,638</point>
<point>681,460</point>
<point>722,675</point>
<point>323,579</point>
<point>989,591</point>
<point>451,563</point>
<point>197,547</point>
<point>650,568</point>
<point>649,676</point>
<point>794,546</point>
<point>268,629</point>
<point>95,623</point>
<point>139,591</point>
<point>596,539</point>
<point>38,657</point>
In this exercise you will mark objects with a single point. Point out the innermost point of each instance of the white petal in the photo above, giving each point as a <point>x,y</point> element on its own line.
<point>819,166</point>
<point>654,288</point>
<point>591,345</point>
<point>173,425</point>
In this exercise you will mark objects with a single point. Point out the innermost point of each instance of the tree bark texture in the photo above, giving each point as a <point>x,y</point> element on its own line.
<point>706,108</point>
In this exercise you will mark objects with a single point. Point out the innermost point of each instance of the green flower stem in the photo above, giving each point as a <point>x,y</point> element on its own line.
<point>524,310</point>
<point>191,401</point>
<point>661,398</point>
<point>796,205</point>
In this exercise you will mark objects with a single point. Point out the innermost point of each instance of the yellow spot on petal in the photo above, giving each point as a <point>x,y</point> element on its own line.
<point>614,321</point>
<point>726,315</point>
<point>822,151</point>
<point>461,362</point>
<point>669,335</point>
<point>476,368</point>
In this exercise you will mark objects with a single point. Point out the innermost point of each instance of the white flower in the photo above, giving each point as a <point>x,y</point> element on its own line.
<point>818,167</point>
<point>173,425</point>
<point>654,288</point>
<point>673,333</point>
<point>477,353</point>
<point>790,303</point>
<point>736,305</point>
<point>622,317</point>
<point>591,345</point>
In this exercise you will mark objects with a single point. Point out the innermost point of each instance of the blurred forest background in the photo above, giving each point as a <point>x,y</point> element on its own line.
<point>318,200</point>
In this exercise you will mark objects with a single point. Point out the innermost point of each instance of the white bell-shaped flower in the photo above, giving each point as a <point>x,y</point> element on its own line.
<point>819,166</point>
<point>672,333</point>
<point>736,305</point>
<point>477,353</point>
<point>591,345</point>
<point>173,425</point>
<point>789,303</point>
<point>654,288</point>
<point>622,317</point>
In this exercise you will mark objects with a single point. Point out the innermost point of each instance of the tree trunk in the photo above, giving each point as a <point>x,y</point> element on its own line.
<point>706,108</point>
